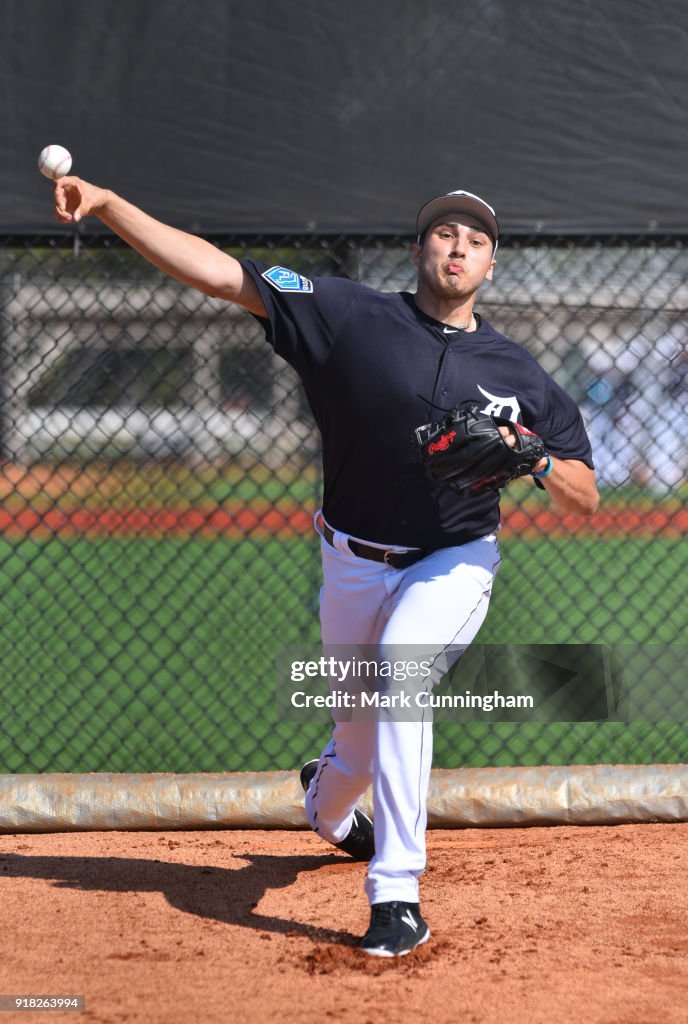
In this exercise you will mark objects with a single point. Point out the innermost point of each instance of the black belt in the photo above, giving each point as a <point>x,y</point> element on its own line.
<point>394,559</point>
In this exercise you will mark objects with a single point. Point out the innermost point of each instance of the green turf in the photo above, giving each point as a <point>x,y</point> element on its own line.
<point>149,655</point>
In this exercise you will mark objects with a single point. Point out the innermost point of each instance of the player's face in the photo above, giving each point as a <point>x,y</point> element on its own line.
<point>455,257</point>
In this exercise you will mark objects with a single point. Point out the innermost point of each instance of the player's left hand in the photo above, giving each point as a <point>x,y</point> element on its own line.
<point>471,451</point>
<point>510,435</point>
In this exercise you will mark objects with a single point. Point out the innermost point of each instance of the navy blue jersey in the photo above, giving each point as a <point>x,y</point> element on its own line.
<point>372,363</point>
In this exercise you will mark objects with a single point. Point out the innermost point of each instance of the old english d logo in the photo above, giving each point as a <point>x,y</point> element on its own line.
<point>285,280</point>
<point>497,406</point>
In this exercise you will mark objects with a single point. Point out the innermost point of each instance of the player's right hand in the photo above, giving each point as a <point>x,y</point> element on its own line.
<point>75,198</point>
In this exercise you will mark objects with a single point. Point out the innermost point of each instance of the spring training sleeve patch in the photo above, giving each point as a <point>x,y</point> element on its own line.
<point>285,280</point>
<point>303,316</point>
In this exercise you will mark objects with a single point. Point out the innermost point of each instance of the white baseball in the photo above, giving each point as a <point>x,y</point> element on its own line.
<point>55,161</point>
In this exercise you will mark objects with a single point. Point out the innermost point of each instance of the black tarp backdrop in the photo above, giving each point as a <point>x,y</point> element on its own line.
<point>273,116</point>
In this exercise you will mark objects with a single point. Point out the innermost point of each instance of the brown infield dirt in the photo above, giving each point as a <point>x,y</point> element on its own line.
<point>529,926</point>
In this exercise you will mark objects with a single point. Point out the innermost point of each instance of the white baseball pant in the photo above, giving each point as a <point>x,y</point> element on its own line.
<point>439,602</point>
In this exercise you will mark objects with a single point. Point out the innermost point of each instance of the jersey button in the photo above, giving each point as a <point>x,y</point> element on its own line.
<point>444,391</point>
<point>449,348</point>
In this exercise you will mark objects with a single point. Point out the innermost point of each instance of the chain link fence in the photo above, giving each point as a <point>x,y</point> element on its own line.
<point>161,470</point>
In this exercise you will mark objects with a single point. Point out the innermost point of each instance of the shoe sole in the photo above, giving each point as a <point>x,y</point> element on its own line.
<point>404,952</point>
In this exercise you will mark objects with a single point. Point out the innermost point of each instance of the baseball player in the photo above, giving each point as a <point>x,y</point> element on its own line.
<point>406,558</point>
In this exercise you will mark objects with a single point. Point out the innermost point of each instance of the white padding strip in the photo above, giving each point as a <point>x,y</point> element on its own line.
<point>488,797</point>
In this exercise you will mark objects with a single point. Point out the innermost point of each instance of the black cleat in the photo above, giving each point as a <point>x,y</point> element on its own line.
<point>307,773</point>
<point>360,842</point>
<point>395,929</point>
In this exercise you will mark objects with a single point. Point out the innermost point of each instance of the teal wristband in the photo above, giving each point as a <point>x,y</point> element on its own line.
<point>544,472</point>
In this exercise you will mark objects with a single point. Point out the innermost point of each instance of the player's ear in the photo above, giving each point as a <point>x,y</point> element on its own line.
<point>415,253</point>
<point>488,275</point>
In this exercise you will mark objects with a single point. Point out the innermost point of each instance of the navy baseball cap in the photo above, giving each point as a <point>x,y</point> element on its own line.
<point>458,202</point>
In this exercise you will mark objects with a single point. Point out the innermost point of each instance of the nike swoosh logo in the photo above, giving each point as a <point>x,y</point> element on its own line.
<point>410,920</point>
<point>450,330</point>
